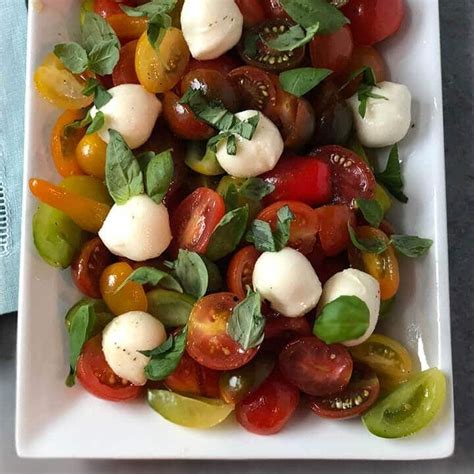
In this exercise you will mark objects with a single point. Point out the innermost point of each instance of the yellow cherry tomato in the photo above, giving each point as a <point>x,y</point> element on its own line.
<point>90,153</point>
<point>88,186</point>
<point>127,28</point>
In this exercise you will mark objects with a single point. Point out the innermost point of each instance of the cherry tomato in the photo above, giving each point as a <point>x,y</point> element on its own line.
<point>195,219</point>
<point>252,11</point>
<point>97,377</point>
<point>240,270</point>
<point>303,229</point>
<point>387,228</point>
<point>223,64</point>
<point>383,266</point>
<point>131,297</point>
<point>326,267</point>
<point>267,410</point>
<point>274,9</point>
<point>333,233</point>
<point>351,176</point>
<point>88,266</point>
<point>64,141</point>
<point>193,379</point>
<point>315,367</point>
<point>332,51</point>
<point>106,8</point>
<point>374,20</point>
<point>300,179</point>
<point>160,69</point>
<point>280,330</point>
<point>208,342</point>
<point>361,393</point>
<point>91,155</point>
<point>124,72</point>
<point>128,28</point>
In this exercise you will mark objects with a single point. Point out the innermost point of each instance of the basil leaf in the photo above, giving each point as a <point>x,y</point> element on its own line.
<point>191,272</point>
<point>231,197</point>
<point>256,189</point>
<point>228,233</point>
<point>151,8</point>
<point>157,26</point>
<point>169,307</point>
<point>232,145</point>
<point>363,94</point>
<point>165,358</point>
<point>260,234</point>
<point>391,177</point>
<point>158,175</point>
<point>95,88</point>
<point>343,319</point>
<point>295,37</point>
<point>78,123</point>
<point>250,44</point>
<point>371,210</point>
<point>96,123</point>
<point>246,324</point>
<point>80,330</point>
<point>73,56</point>
<point>372,245</point>
<point>123,176</point>
<point>152,276</point>
<point>300,81</point>
<point>411,246</point>
<point>96,30</point>
<point>282,232</point>
<point>103,57</point>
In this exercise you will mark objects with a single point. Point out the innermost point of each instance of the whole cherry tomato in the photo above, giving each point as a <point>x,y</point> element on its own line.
<point>124,71</point>
<point>223,64</point>
<point>326,267</point>
<point>274,9</point>
<point>91,155</point>
<point>252,11</point>
<point>127,28</point>
<point>106,8</point>
<point>240,270</point>
<point>280,330</point>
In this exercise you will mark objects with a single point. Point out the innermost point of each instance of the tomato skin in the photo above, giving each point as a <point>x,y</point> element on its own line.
<point>106,8</point>
<point>280,330</point>
<point>124,71</point>
<point>240,270</point>
<point>274,9</point>
<point>91,155</point>
<point>315,367</point>
<point>326,267</point>
<point>267,410</point>
<point>252,11</point>
<point>374,20</point>
<point>299,178</point>
<point>97,377</point>
<point>195,219</point>
<point>223,64</point>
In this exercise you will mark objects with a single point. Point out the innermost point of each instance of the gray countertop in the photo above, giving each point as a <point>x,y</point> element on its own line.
<point>457,17</point>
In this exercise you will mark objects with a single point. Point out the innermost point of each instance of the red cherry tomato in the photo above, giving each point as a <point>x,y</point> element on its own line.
<point>351,176</point>
<point>300,179</point>
<point>326,267</point>
<point>332,51</point>
<point>208,342</point>
<point>124,71</point>
<point>88,266</point>
<point>106,8</point>
<point>274,9</point>
<point>267,410</point>
<point>252,11</point>
<point>223,64</point>
<point>280,330</point>
<point>304,228</point>
<point>361,393</point>
<point>193,379</point>
<point>97,377</point>
<point>314,367</point>
<point>374,20</point>
<point>195,219</point>
<point>240,270</point>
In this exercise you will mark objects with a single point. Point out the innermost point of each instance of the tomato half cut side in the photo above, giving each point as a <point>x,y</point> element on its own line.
<point>240,270</point>
<point>97,377</point>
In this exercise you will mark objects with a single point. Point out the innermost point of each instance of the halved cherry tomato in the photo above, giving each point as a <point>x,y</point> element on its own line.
<point>88,266</point>
<point>159,69</point>
<point>252,11</point>
<point>195,219</point>
<point>274,9</point>
<point>267,410</point>
<point>332,51</point>
<point>333,233</point>
<point>240,270</point>
<point>131,297</point>
<point>106,8</point>
<point>361,393</point>
<point>193,379</point>
<point>280,330</point>
<point>128,28</point>
<point>374,20</point>
<point>124,71</point>
<point>303,229</point>
<point>208,342</point>
<point>91,155</point>
<point>300,178</point>
<point>223,64</point>
<point>97,377</point>
<point>315,367</point>
<point>64,141</point>
<point>351,176</point>
<point>383,266</point>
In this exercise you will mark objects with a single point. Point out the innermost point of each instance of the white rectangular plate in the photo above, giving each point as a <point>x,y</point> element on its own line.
<point>54,421</point>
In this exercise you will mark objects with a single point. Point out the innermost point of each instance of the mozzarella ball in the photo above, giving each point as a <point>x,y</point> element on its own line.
<point>352,282</point>
<point>211,27</point>
<point>386,122</point>
<point>132,111</point>
<point>256,156</point>
<point>124,336</point>
<point>138,230</point>
<point>288,281</point>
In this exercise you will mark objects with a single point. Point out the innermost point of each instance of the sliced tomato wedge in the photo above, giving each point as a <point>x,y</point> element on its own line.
<point>240,270</point>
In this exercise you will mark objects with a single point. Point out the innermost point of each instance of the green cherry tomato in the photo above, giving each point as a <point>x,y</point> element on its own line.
<point>170,307</point>
<point>408,409</point>
<point>202,160</point>
<point>254,206</point>
<point>382,197</point>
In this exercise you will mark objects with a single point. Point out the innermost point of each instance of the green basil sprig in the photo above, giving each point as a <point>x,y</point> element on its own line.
<point>152,276</point>
<point>391,177</point>
<point>371,210</point>
<point>93,124</point>
<point>252,189</point>
<point>100,93</point>
<point>300,81</point>
<point>295,37</point>
<point>158,175</point>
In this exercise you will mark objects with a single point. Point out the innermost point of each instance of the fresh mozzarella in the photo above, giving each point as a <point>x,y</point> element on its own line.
<point>255,156</point>
<point>211,27</point>
<point>352,282</point>
<point>138,230</point>
<point>124,337</point>
<point>287,280</point>
<point>132,111</point>
<point>386,122</point>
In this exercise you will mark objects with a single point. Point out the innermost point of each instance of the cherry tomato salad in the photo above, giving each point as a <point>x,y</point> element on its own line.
<point>224,214</point>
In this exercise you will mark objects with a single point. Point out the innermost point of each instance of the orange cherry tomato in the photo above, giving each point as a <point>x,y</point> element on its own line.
<point>90,153</point>
<point>240,270</point>
<point>383,267</point>
<point>127,28</point>
<point>64,142</point>
<point>131,297</point>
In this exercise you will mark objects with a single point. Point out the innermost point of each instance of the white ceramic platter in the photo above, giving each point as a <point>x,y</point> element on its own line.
<point>54,421</point>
